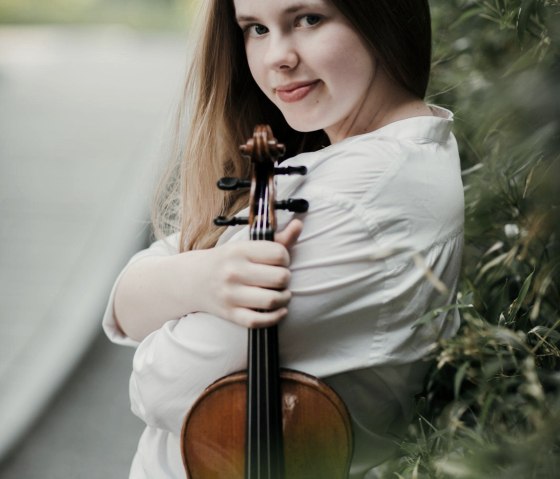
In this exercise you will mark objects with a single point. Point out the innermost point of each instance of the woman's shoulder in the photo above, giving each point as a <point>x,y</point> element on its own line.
<point>398,139</point>
<point>407,173</point>
<point>349,167</point>
<point>374,161</point>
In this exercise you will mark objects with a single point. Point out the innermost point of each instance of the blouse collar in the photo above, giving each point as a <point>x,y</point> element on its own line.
<point>436,128</point>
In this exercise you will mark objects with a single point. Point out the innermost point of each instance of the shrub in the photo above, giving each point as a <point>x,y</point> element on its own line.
<point>492,405</point>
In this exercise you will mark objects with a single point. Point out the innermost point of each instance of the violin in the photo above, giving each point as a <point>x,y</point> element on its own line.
<point>266,422</point>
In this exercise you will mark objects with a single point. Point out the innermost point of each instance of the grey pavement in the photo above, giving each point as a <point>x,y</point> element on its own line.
<point>87,431</point>
<point>83,113</point>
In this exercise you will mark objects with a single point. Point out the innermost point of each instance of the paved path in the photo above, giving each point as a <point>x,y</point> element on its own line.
<point>82,111</point>
<point>87,431</point>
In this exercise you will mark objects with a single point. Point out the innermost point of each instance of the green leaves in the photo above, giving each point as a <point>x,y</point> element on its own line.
<point>513,310</point>
<point>529,19</point>
<point>493,396</point>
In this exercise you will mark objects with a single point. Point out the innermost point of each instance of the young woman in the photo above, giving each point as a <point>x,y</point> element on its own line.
<point>342,85</point>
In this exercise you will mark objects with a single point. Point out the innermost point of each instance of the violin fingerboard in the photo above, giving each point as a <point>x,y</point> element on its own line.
<point>265,457</point>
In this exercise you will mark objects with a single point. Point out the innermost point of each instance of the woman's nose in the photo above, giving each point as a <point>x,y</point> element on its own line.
<point>282,53</point>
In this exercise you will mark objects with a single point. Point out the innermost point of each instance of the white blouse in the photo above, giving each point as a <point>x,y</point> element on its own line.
<point>381,247</point>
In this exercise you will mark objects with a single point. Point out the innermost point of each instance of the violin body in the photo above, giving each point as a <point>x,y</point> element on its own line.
<point>267,422</point>
<point>316,428</point>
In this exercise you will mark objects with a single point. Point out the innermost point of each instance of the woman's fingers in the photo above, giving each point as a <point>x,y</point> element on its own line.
<point>259,298</point>
<point>289,235</point>
<point>256,274</point>
<point>264,252</point>
<point>268,252</point>
<point>250,279</point>
<point>249,318</point>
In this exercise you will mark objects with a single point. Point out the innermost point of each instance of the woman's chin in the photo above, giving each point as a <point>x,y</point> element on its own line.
<point>303,126</point>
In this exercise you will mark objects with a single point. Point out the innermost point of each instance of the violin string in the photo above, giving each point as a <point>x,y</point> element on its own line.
<point>262,441</point>
<point>267,377</point>
<point>259,235</point>
<point>263,214</point>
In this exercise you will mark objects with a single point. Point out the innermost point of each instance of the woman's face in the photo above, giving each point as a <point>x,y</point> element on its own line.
<point>311,63</point>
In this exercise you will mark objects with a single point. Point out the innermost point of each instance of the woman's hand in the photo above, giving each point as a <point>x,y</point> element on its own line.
<point>247,282</point>
<point>244,282</point>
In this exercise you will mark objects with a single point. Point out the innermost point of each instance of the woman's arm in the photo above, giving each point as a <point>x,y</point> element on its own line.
<point>231,282</point>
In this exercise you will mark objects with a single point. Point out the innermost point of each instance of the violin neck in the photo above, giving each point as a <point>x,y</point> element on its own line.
<point>265,457</point>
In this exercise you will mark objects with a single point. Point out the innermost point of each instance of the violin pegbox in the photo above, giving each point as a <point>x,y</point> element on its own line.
<point>263,151</point>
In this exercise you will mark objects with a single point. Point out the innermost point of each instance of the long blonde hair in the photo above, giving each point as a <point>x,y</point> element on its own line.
<point>204,149</point>
<point>222,104</point>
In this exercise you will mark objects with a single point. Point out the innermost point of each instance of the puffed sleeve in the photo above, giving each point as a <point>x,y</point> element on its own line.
<point>173,366</point>
<point>163,247</point>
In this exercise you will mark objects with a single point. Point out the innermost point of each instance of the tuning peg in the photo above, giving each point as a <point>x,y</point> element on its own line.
<point>290,170</point>
<point>293,204</point>
<point>223,221</point>
<point>229,184</point>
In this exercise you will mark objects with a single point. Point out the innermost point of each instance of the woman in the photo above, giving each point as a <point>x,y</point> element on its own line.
<point>342,85</point>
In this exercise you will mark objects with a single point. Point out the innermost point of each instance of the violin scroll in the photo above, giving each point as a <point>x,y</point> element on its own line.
<point>263,151</point>
<point>263,146</point>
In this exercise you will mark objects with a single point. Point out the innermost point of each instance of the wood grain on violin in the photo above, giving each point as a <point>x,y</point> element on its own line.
<point>266,422</point>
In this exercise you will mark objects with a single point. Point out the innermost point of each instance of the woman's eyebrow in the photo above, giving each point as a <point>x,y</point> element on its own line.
<point>291,9</point>
<point>245,18</point>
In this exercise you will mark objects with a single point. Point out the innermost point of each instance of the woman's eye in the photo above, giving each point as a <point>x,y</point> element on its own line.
<point>309,20</point>
<point>256,30</point>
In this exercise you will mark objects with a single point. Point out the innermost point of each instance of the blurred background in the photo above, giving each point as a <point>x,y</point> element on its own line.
<point>87,93</point>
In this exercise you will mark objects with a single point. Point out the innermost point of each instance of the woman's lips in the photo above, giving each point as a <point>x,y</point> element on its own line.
<point>295,91</point>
